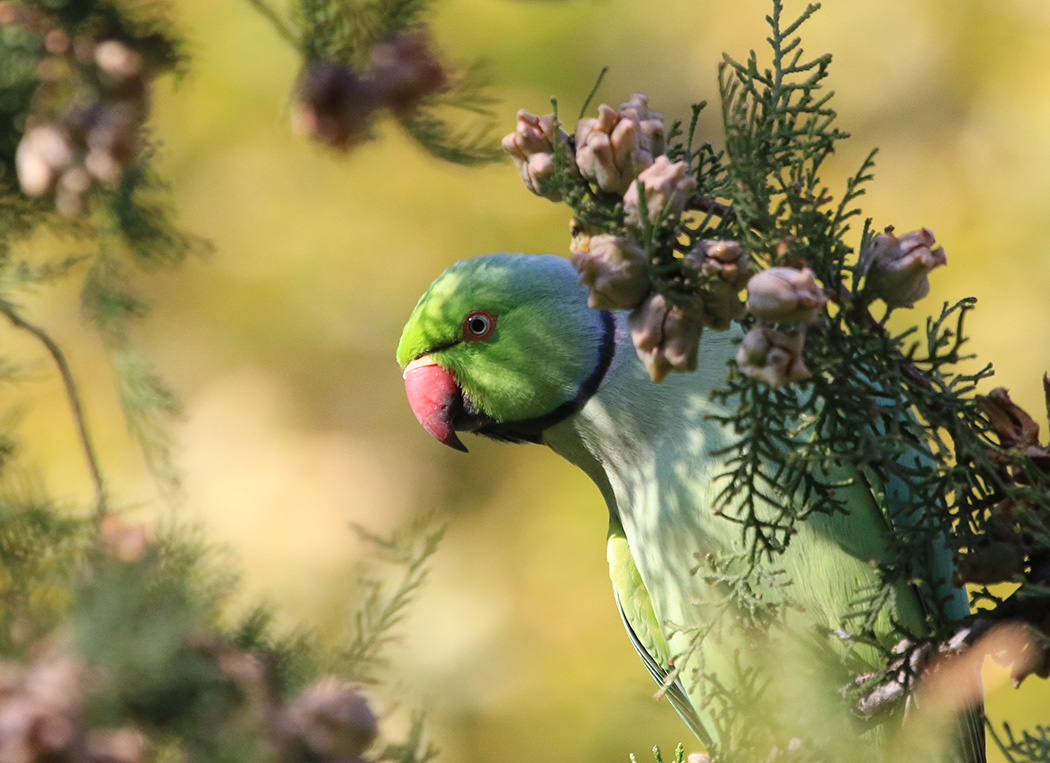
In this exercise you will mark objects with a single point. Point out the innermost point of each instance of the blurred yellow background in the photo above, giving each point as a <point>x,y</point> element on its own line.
<point>281,344</point>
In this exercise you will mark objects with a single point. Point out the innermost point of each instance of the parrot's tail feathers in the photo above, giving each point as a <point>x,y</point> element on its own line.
<point>679,700</point>
<point>673,690</point>
<point>971,735</point>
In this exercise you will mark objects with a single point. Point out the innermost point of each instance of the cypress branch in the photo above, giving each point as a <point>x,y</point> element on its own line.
<point>72,395</point>
<point>380,612</point>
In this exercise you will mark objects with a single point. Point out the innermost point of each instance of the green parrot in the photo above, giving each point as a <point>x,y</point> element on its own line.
<point>505,346</point>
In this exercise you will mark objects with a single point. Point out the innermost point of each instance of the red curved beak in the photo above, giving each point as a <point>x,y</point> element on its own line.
<point>435,399</point>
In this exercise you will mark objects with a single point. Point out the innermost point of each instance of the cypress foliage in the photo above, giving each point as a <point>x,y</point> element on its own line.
<point>670,227</point>
<point>118,641</point>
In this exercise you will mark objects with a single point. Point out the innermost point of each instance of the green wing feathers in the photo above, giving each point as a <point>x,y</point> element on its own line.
<point>643,628</point>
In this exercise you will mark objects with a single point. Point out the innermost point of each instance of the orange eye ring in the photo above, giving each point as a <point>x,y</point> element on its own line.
<point>478,326</point>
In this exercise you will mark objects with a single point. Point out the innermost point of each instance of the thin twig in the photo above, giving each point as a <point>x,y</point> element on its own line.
<point>594,90</point>
<point>279,24</point>
<point>861,315</point>
<point>74,401</point>
<point>706,204</point>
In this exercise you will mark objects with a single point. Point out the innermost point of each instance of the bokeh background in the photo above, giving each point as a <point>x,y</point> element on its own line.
<point>281,343</point>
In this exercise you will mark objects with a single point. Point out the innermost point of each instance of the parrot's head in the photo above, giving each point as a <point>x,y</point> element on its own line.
<point>503,345</point>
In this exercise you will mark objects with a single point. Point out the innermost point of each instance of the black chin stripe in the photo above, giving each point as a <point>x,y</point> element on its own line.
<point>531,430</point>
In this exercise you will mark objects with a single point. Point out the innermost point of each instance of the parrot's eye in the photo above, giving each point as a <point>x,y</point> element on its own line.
<point>478,325</point>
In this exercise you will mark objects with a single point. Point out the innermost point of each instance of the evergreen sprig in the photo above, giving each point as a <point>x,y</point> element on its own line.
<point>778,133</point>
<point>117,224</point>
<point>1030,747</point>
<point>439,127</point>
<point>347,31</point>
<point>852,407</point>
<point>136,627</point>
<point>414,749</point>
<point>363,58</point>
<point>658,756</point>
<point>379,611</point>
<point>122,636</point>
<point>779,130</point>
